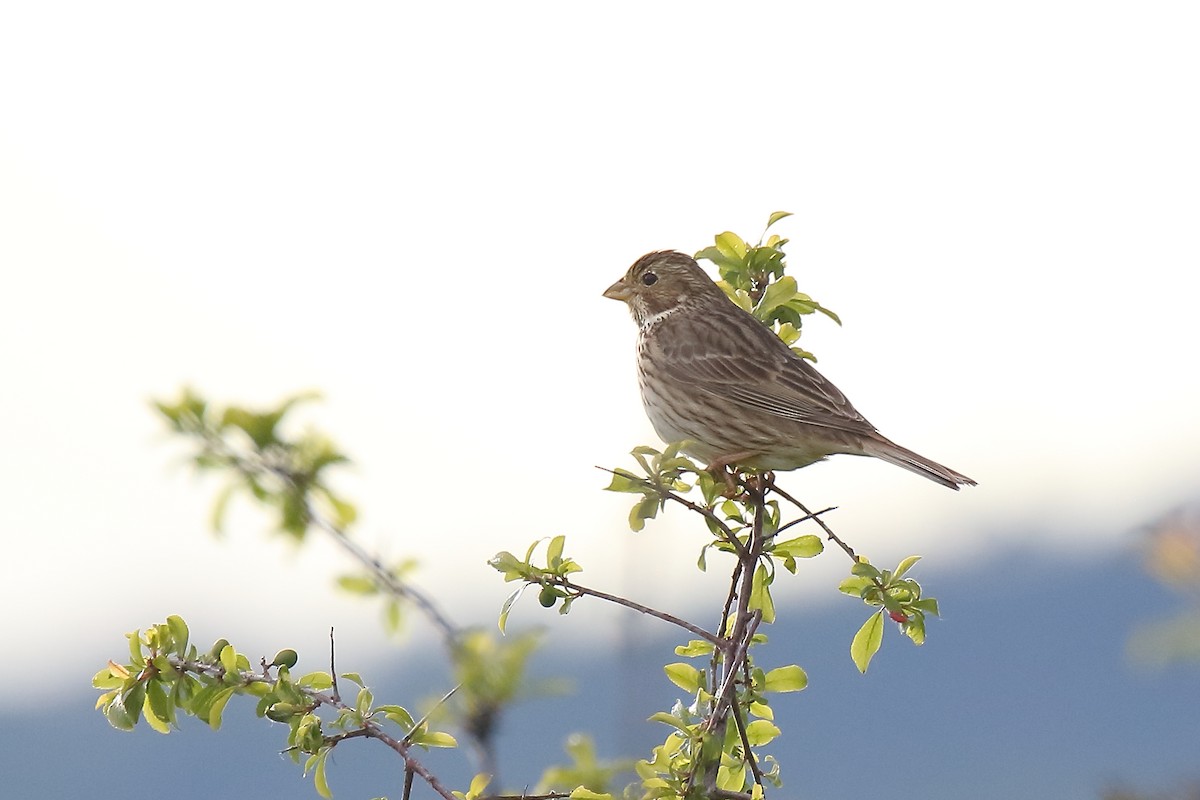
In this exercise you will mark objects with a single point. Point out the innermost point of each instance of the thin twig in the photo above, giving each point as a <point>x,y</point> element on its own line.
<point>833,537</point>
<point>337,695</point>
<point>746,749</point>
<point>726,532</point>
<point>805,518</point>
<point>621,601</point>
<point>383,576</point>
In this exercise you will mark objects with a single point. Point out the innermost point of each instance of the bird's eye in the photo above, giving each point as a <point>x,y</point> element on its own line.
<point>649,279</point>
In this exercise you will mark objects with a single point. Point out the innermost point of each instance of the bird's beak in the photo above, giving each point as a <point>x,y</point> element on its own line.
<point>618,291</point>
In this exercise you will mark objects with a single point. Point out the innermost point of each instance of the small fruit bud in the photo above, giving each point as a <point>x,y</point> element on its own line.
<point>285,658</point>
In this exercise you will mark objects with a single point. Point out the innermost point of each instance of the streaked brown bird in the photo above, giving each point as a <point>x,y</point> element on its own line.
<point>713,374</point>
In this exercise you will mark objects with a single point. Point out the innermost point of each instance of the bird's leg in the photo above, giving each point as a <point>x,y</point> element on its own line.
<point>726,467</point>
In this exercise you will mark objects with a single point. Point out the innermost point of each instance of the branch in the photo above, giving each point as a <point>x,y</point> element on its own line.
<point>666,494</point>
<point>621,601</point>
<point>815,516</point>
<point>370,729</point>
<point>383,576</point>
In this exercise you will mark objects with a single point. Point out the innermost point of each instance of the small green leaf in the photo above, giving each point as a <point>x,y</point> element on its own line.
<point>696,647</point>
<point>357,584</point>
<point>867,641</point>
<point>436,739</point>
<point>583,793</point>
<point>623,481</point>
<point>785,679</point>
<point>217,707</point>
<point>320,782</point>
<point>731,246</point>
<point>554,551</point>
<point>229,658</point>
<point>854,586</point>
<point>777,294</point>
<point>905,566</point>
<point>863,569</point>
<point>806,546</point>
<point>508,604</point>
<point>316,680</point>
<point>478,784</point>
<point>776,216</point>
<point>760,594</point>
<point>761,731</point>
<point>179,634</point>
<point>685,676</point>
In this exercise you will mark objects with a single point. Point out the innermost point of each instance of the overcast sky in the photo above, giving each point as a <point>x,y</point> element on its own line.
<point>415,208</point>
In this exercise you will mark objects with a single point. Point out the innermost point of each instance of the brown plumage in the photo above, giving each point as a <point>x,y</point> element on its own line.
<point>713,374</point>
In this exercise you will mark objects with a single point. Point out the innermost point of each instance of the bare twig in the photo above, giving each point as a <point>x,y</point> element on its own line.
<point>833,537</point>
<point>337,695</point>
<point>621,601</point>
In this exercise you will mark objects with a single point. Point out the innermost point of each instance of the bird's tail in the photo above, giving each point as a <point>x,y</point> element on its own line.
<point>893,453</point>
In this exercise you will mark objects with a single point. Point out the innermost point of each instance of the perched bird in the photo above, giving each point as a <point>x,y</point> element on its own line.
<point>713,374</point>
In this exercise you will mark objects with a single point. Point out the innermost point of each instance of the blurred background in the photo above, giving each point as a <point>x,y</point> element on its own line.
<point>415,208</point>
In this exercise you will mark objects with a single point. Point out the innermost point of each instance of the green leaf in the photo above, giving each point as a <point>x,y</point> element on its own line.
<point>646,509</point>
<point>508,604</point>
<point>435,739</point>
<point>760,594</point>
<point>696,647</point>
<point>777,294</point>
<point>623,481</point>
<point>785,679</point>
<point>320,782</point>
<point>854,586</point>
<point>228,658</point>
<point>867,641</point>
<point>179,634</point>
<point>905,566</point>
<point>685,676</point>
<point>776,216</point>
<point>722,261</point>
<point>554,551</point>
<point>217,707</point>
<point>731,246</point>
<point>478,784</point>
<point>762,710</point>
<point>122,714</point>
<point>864,569</point>
<point>316,680</point>
<point>357,584</point>
<point>761,731</point>
<point>668,719</point>
<point>806,546</point>
<point>583,793</point>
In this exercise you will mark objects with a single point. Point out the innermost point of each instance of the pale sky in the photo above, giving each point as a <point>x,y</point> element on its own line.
<point>415,210</point>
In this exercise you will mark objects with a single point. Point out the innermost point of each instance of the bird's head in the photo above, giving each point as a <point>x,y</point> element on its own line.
<point>662,282</point>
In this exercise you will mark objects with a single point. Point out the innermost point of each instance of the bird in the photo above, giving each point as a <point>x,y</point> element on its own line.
<point>715,378</point>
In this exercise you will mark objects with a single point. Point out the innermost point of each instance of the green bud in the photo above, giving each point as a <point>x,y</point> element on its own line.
<point>285,658</point>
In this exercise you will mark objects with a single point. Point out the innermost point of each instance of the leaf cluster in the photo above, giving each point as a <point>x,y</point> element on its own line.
<point>753,277</point>
<point>259,458</point>
<point>167,676</point>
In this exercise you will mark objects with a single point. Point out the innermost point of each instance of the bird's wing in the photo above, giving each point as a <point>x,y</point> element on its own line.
<point>747,363</point>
